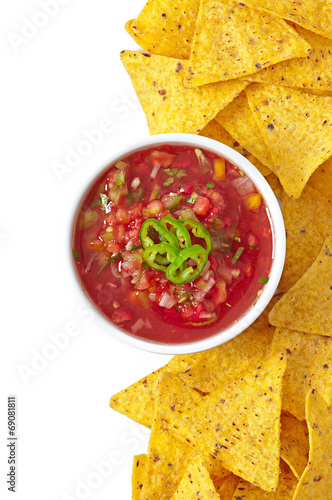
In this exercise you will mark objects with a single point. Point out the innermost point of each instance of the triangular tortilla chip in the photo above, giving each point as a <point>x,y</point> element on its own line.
<point>316,480</point>
<point>238,426</point>
<point>309,364</point>
<point>238,120</point>
<point>168,457</point>
<point>232,40</point>
<point>308,220</point>
<point>165,27</point>
<point>168,106</point>
<point>226,486</point>
<point>138,400</point>
<point>310,72</point>
<point>296,127</point>
<point>217,132</point>
<point>294,447</point>
<point>286,487</point>
<point>307,306</point>
<point>313,15</point>
<point>321,179</point>
<point>196,483</point>
<point>138,476</point>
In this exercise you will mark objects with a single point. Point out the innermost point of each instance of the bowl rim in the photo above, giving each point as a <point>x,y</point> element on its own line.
<point>276,221</point>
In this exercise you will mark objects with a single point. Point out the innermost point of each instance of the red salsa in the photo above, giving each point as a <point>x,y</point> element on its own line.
<point>196,189</point>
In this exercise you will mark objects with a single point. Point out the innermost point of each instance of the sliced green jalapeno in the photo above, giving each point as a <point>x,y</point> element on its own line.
<point>178,229</point>
<point>199,231</point>
<point>162,250</point>
<point>163,235</point>
<point>178,274</point>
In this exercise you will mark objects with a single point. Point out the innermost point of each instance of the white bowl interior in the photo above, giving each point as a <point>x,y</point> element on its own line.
<point>279,245</point>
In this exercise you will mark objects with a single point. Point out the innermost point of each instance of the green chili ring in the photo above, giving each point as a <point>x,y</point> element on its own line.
<point>179,275</point>
<point>152,252</point>
<point>163,234</point>
<point>199,231</point>
<point>178,229</point>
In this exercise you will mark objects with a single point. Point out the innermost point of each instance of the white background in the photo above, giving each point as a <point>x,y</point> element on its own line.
<point>61,77</point>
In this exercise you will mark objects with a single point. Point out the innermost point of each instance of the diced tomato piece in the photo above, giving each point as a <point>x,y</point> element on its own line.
<point>122,315</point>
<point>113,248</point>
<point>122,216</point>
<point>217,199</point>
<point>187,312</point>
<point>187,189</point>
<point>219,294</point>
<point>144,283</point>
<point>162,158</point>
<point>214,264</point>
<point>97,245</point>
<point>252,240</point>
<point>228,219</point>
<point>202,206</point>
<point>248,268</point>
<point>135,210</point>
<point>212,215</point>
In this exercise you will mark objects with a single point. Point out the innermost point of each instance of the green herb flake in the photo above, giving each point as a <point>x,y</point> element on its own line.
<point>104,201</point>
<point>253,248</point>
<point>135,247</point>
<point>228,305</point>
<point>237,239</point>
<point>237,255</point>
<point>111,259</point>
<point>76,255</point>
<point>131,198</point>
<point>155,194</point>
<point>190,200</point>
<point>168,181</point>
<point>262,280</point>
<point>210,185</point>
<point>120,180</point>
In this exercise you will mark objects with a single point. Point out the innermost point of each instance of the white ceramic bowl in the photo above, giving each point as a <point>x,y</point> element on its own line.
<point>279,244</point>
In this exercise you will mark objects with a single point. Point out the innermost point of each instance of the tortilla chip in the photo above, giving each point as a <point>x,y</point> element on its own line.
<point>217,132</point>
<point>196,483</point>
<point>309,365</point>
<point>232,40</point>
<point>230,361</point>
<point>238,425</point>
<point>316,481</point>
<point>286,488</point>
<point>139,476</point>
<point>294,447</point>
<point>312,71</point>
<point>321,179</point>
<point>227,486</point>
<point>168,457</point>
<point>168,106</point>
<point>238,120</point>
<point>275,185</point>
<point>166,27</point>
<point>138,400</point>
<point>315,16</point>
<point>308,220</point>
<point>307,306</point>
<point>288,117</point>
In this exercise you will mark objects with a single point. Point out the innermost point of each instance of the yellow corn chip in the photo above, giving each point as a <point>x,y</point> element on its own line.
<point>168,457</point>
<point>137,401</point>
<point>230,361</point>
<point>196,483</point>
<point>321,179</point>
<point>139,475</point>
<point>286,488</point>
<point>238,120</point>
<point>226,486</point>
<point>217,132</point>
<point>308,220</point>
<point>315,16</point>
<point>309,364</point>
<point>296,127</point>
<point>310,72</point>
<point>165,27</point>
<point>232,40</point>
<point>168,106</point>
<point>238,425</point>
<point>294,446</point>
<point>306,307</point>
<point>316,481</point>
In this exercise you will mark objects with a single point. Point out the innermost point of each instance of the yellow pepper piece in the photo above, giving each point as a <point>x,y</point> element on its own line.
<point>219,169</point>
<point>253,201</point>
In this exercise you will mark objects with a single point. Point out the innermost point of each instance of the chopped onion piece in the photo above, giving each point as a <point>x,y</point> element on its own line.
<point>121,165</point>
<point>167,300</point>
<point>243,185</point>
<point>204,163</point>
<point>154,171</point>
<point>137,326</point>
<point>135,182</point>
<point>200,294</point>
